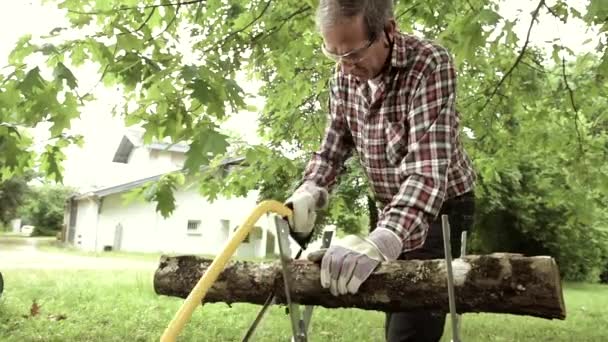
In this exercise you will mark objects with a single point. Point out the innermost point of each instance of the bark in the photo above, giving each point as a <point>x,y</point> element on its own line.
<point>496,283</point>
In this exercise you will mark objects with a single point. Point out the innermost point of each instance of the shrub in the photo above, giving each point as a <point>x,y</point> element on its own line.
<point>44,209</point>
<point>523,211</point>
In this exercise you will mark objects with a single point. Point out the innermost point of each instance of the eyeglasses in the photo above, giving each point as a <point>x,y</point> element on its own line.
<point>351,57</point>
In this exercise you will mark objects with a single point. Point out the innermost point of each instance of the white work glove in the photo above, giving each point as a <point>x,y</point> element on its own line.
<point>305,202</point>
<point>351,260</point>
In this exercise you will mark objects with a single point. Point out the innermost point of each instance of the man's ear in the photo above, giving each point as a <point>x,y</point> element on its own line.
<point>391,28</point>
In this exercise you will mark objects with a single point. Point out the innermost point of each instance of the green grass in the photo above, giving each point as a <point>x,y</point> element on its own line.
<point>12,235</point>
<point>11,240</point>
<point>54,246</point>
<point>122,306</point>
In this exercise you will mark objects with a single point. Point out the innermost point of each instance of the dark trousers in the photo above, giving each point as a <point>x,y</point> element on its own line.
<point>428,326</point>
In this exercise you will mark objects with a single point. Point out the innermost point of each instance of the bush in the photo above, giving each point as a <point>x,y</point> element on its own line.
<point>13,193</point>
<point>604,275</point>
<point>44,209</point>
<point>521,211</point>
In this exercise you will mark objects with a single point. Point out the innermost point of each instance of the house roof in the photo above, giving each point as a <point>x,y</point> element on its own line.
<point>134,138</point>
<point>123,151</point>
<point>136,183</point>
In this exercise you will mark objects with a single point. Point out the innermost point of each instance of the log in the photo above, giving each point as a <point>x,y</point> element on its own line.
<point>495,283</point>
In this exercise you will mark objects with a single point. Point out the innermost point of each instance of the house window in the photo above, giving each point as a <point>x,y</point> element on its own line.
<point>194,227</point>
<point>254,234</point>
<point>246,239</point>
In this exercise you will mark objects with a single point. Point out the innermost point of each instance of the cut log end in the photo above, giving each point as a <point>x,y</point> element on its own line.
<point>497,283</point>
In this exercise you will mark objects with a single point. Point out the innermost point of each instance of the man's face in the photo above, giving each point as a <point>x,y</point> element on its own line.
<point>365,55</point>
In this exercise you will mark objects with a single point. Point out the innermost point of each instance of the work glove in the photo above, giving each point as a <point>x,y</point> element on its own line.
<point>304,203</point>
<point>351,260</point>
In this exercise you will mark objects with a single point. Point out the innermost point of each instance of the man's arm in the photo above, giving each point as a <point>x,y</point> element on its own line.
<point>431,121</point>
<point>321,172</point>
<point>327,163</point>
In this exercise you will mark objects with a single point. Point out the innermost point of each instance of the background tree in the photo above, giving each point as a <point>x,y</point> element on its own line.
<point>44,208</point>
<point>13,193</point>
<point>534,120</point>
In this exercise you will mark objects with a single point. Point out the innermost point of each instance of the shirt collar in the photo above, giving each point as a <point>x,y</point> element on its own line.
<point>398,59</point>
<point>399,52</point>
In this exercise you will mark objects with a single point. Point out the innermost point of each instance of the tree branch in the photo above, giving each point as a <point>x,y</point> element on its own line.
<point>519,57</point>
<point>9,76</point>
<point>551,11</point>
<point>574,107</point>
<point>533,67</point>
<point>406,11</point>
<point>283,21</point>
<point>138,28</point>
<point>234,33</point>
<point>105,70</point>
<point>190,2</point>
<point>472,7</point>
<point>168,24</point>
<point>147,19</point>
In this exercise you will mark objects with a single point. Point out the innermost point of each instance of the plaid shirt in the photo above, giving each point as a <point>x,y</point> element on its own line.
<point>406,138</point>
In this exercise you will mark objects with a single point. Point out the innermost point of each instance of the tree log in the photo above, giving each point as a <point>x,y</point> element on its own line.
<point>496,283</point>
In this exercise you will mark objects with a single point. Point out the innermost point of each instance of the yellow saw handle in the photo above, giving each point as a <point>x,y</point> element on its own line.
<point>219,262</point>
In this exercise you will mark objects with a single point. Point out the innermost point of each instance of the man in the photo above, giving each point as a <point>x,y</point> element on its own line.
<point>393,102</point>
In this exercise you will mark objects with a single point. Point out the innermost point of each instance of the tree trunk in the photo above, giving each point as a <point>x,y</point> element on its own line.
<point>372,209</point>
<point>497,283</point>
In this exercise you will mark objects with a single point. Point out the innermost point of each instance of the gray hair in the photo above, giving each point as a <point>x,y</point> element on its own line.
<point>375,13</point>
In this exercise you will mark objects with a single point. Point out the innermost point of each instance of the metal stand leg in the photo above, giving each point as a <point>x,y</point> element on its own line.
<point>326,242</point>
<point>300,321</point>
<point>448,260</point>
<point>299,334</point>
<point>463,252</point>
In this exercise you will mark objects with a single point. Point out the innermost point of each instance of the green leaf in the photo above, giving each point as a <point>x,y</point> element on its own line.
<point>597,11</point>
<point>162,191</point>
<point>488,17</point>
<point>603,67</point>
<point>78,54</point>
<point>555,54</point>
<point>206,144</point>
<point>576,13</point>
<point>22,49</point>
<point>9,144</point>
<point>9,97</point>
<point>202,91</point>
<point>48,49</point>
<point>63,73</point>
<point>129,42</point>
<point>103,5</point>
<point>134,195</point>
<point>471,37</point>
<point>50,162</point>
<point>62,119</point>
<point>32,81</point>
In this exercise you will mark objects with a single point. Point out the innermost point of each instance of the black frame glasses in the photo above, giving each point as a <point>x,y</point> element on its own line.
<point>353,56</point>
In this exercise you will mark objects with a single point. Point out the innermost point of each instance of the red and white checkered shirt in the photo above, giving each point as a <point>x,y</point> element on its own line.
<point>406,138</point>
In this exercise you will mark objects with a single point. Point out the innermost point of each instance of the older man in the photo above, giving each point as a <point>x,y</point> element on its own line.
<point>393,103</point>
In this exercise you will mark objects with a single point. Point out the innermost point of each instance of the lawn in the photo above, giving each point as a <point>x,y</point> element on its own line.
<point>122,306</point>
<point>54,246</point>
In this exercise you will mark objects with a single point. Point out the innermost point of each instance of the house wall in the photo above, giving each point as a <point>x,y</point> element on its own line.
<point>144,230</point>
<point>86,224</point>
<point>151,161</point>
<point>143,163</point>
<point>16,225</point>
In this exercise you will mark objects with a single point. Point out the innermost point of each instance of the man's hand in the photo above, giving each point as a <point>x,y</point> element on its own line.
<point>304,203</point>
<point>351,260</point>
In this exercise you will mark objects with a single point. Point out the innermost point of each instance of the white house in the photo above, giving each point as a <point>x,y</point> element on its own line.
<point>101,219</point>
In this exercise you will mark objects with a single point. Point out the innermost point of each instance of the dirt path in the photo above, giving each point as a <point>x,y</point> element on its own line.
<point>23,253</point>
